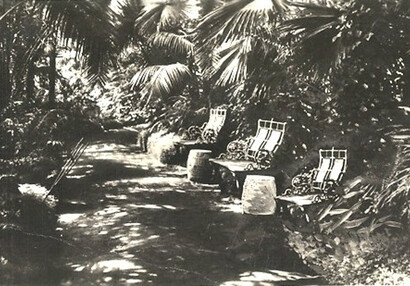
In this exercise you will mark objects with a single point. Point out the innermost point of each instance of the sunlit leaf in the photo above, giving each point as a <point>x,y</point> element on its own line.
<point>354,223</point>
<point>392,223</point>
<point>338,211</point>
<point>172,42</point>
<point>325,212</point>
<point>239,18</point>
<point>162,79</point>
<point>160,15</point>
<point>342,220</point>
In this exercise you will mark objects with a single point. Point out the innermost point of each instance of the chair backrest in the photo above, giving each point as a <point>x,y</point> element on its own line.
<point>332,166</point>
<point>268,137</point>
<point>217,117</point>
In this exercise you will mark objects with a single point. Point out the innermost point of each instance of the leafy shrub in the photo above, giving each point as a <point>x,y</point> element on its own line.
<point>169,156</point>
<point>27,229</point>
<point>349,237</point>
<point>395,194</point>
<point>28,211</point>
<point>32,215</point>
<point>355,258</point>
<point>36,140</point>
<point>162,146</point>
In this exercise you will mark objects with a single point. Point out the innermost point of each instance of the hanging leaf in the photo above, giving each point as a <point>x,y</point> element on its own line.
<point>161,80</point>
<point>161,15</point>
<point>239,18</point>
<point>354,223</point>
<point>175,43</point>
<point>325,212</point>
<point>342,220</point>
<point>394,224</point>
<point>338,211</point>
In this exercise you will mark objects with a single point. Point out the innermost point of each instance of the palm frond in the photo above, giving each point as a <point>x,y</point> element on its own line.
<point>319,41</point>
<point>89,25</point>
<point>177,44</point>
<point>239,18</point>
<point>160,16</point>
<point>71,161</point>
<point>129,11</point>
<point>10,10</point>
<point>207,6</point>
<point>207,58</point>
<point>232,67</point>
<point>243,63</point>
<point>319,9</point>
<point>162,80</point>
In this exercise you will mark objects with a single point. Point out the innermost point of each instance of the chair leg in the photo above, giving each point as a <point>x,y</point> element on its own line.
<point>227,182</point>
<point>283,209</point>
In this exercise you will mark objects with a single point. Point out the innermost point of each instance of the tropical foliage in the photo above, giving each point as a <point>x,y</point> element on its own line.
<point>32,36</point>
<point>336,71</point>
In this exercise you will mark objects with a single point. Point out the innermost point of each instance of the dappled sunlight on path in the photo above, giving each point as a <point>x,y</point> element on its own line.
<point>145,223</point>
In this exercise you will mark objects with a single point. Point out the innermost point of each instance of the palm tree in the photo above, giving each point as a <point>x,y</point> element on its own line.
<point>126,32</point>
<point>327,34</point>
<point>240,18</point>
<point>359,46</point>
<point>86,24</point>
<point>229,29</point>
<point>158,32</point>
<point>241,33</point>
<point>6,37</point>
<point>161,80</point>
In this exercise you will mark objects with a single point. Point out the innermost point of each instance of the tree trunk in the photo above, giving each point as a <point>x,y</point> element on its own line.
<point>206,89</point>
<point>52,75</point>
<point>4,84</point>
<point>406,77</point>
<point>5,79</point>
<point>30,82</point>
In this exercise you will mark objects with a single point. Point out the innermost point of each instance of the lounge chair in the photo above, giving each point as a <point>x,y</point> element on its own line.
<point>208,133</point>
<point>256,153</point>
<point>250,156</point>
<point>318,184</point>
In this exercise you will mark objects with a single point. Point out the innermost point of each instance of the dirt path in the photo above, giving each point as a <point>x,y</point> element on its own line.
<point>132,220</point>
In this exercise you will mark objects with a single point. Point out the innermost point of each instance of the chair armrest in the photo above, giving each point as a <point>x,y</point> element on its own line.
<point>313,172</point>
<point>209,135</point>
<point>235,150</point>
<point>264,159</point>
<point>194,132</point>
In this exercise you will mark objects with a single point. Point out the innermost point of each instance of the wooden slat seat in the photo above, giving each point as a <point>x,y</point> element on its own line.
<point>216,119</point>
<point>300,200</point>
<point>232,165</point>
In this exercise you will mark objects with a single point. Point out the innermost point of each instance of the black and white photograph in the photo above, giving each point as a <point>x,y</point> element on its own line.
<point>204,142</point>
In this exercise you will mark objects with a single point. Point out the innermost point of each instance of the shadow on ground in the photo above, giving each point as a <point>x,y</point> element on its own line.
<point>133,220</point>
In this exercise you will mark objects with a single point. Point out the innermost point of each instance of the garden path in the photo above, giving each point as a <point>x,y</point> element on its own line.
<point>133,220</point>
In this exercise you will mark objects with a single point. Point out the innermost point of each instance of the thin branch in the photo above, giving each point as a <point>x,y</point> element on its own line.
<point>10,10</point>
